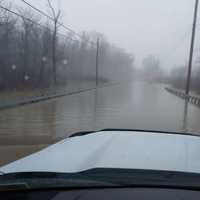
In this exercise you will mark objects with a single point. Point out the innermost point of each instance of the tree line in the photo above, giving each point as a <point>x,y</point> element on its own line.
<point>178,77</point>
<point>33,52</point>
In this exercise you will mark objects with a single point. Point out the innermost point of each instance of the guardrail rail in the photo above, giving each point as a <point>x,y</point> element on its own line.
<point>191,99</point>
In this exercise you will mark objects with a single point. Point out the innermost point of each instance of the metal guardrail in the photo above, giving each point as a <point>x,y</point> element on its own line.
<point>191,99</point>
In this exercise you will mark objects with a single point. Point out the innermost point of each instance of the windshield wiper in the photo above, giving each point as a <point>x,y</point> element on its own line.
<point>14,186</point>
<point>106,178</point>
<point>39,180</point>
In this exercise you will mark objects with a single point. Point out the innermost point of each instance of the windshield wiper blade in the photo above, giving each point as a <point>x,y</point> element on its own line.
<point>106,178</point>
<point>35,180</point>
<point>144,177</point>
<point>13,186</point>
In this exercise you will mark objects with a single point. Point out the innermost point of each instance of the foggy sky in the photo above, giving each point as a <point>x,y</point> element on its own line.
<point>142,27</point>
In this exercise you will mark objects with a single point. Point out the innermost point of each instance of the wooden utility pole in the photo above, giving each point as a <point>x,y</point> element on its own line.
<point>97,64</point>
<point>55,16</point>
<point>192,48</point>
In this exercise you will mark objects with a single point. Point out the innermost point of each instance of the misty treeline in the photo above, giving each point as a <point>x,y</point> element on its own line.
<point>33,53</point>
<point>178,77</point>
<point>151,70</point>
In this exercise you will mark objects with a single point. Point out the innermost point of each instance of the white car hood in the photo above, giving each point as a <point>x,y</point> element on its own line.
<point>115,149</point>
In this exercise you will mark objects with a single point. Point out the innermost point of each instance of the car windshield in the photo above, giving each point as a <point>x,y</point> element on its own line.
<point>71,66</point>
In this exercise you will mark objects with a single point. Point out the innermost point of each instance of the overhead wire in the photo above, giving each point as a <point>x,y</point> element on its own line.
<point>32,21</point>
<point>180,41</point>
<point>51,18</point>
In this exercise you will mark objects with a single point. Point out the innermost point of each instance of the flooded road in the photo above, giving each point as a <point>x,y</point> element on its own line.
<point>24,130</point>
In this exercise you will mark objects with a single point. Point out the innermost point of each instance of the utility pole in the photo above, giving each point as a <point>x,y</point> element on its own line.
<point>192,48</point>
<point>97,64</point>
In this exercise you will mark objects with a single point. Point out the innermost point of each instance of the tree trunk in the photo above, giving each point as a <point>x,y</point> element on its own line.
<point>54,54</point>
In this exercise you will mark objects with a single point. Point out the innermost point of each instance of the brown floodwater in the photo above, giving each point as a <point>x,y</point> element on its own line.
<point>136,105</point>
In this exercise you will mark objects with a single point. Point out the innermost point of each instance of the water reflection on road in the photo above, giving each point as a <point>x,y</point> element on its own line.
<point>129,105</point>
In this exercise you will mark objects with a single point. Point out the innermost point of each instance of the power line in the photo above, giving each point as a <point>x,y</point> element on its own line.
<point>180,42</point>
<point>51,18</point>
<point>30,20</point>
<point>182,39</point>
<point>21,16</point>
<point>187,32</point>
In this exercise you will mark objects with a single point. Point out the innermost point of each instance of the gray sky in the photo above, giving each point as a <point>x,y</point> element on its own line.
<point>142,27</point>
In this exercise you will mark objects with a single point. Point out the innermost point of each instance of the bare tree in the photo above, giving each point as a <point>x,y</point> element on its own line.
<point>28,29</point>
<point>56,16</point>
<point>46,53</point>
<point>29,52</point>
<point>7,34</point>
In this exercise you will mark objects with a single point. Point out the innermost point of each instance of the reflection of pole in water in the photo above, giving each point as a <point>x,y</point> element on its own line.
<point>185,130</point>
<point>95,108</point>
<point>185,116</point>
